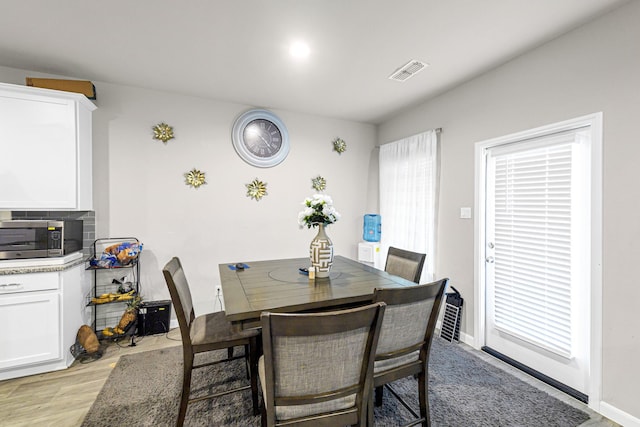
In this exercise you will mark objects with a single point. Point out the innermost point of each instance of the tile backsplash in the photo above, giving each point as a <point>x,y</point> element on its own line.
<point>88,223</point>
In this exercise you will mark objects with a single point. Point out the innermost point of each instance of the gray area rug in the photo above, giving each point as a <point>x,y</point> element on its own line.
<point>464,391</point>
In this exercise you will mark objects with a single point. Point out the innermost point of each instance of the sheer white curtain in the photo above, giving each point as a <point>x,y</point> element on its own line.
<point>408,190</point>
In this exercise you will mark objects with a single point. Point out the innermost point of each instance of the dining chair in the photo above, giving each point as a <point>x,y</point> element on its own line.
<point>405,264</point>
<point>405,342</point>
<point>317,367</point>
<point>206,333</point>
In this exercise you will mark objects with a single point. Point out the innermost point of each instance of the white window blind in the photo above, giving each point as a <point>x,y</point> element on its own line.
<point>534,211</point>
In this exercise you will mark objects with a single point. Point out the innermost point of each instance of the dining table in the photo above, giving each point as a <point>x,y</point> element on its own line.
<point>282,286</point>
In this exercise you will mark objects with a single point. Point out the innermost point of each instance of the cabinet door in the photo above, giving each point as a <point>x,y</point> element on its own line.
<point>38,161</point>
<point>30,328</point>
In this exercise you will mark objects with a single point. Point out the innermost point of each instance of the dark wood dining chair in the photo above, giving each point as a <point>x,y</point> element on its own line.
<point>317,367</point>
<point>206,333</point>
<point>405,342</point>
<point>405,264</point>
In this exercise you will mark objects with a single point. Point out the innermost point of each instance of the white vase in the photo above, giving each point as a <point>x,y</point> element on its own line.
<point>321,253</point>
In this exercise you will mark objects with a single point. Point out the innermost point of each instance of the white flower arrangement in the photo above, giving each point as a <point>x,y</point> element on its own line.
<point>318,210</point>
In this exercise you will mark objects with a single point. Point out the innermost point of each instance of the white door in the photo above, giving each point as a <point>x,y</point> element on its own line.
<point>536,251</point>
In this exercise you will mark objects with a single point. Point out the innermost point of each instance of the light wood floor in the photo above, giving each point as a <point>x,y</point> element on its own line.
<point>63,398</point>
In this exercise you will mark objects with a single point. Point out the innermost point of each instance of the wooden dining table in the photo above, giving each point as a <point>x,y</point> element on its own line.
<point>279,286</point>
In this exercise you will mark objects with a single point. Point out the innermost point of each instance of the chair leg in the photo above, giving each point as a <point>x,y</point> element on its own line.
<point>378,395</point>
<point>370,412</point>
<point>423,398</point>
<point>247,360</point>
<point>253,375</point>
<point>186,389</point>
<point>263,416</point>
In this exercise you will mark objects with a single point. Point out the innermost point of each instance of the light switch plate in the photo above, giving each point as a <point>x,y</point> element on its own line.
<point>465,213</point>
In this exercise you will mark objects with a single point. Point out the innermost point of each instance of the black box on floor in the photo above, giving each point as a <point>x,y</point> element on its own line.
<point>154,317</point>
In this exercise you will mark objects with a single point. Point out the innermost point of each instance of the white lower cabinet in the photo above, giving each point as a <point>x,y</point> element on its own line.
<point>31,329</point>
<point>40,314</point>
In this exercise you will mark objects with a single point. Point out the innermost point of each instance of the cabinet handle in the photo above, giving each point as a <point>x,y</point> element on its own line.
<point>10,286</point>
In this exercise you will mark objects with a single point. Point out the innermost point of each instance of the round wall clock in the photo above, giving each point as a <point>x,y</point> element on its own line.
<point>260,138</point>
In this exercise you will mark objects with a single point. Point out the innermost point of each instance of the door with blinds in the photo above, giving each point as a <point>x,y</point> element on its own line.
<point>537,255</point>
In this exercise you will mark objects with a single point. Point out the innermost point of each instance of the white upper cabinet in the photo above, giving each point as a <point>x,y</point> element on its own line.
<point>45,149</point>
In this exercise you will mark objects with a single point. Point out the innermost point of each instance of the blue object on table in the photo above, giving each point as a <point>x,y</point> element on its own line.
<point>237,266</point>
<point>304,270</point>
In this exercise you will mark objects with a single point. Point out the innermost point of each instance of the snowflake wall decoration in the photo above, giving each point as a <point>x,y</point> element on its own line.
<point>339,145</point>
<point>256,189</point>
<point>319,183</point>
<point>194,178</point>
<point>163,132</point>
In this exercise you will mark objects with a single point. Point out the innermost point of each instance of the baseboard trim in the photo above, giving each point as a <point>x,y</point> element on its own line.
<point>467,339</point>
<point>618,416</point>
<point>538,375</point>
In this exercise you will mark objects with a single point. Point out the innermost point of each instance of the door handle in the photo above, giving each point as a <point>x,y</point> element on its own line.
<point>490,260</point>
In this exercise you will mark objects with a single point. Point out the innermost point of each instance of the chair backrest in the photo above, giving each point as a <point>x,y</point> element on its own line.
<point>320,365</point>
<point>405,264</point>
<point>408,325</point>
<point>180,297</point>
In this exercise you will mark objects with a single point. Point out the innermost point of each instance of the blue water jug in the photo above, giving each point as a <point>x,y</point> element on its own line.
<point>372,228</point>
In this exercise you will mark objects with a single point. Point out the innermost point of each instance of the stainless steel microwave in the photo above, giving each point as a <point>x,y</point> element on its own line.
<point>39,238</point>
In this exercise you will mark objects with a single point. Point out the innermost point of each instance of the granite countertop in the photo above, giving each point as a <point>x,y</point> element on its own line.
<point>40,265</point>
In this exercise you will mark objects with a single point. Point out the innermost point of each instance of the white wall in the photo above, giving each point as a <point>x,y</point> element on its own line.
<point>140,191</point>
<point>594,68</point>
<point>217,223</point>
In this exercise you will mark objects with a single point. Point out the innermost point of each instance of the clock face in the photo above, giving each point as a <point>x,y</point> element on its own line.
<point>260,138</point>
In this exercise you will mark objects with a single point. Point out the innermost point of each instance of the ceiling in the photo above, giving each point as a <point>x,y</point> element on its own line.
<point>238,50</point>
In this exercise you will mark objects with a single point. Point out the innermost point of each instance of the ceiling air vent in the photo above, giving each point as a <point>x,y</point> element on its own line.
<point>408,70</point>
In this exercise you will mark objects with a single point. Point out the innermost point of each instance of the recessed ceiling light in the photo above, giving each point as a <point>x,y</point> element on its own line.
<point>299,49</point>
